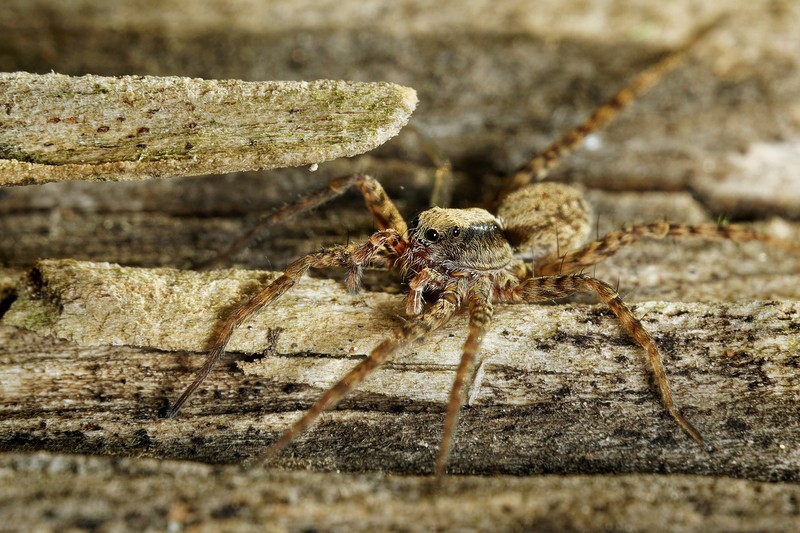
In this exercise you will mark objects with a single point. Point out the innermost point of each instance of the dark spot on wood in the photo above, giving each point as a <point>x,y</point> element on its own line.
<point>581,340</point>
<point>23,441</point>
<point>85,523</point>
<point>5,303</point>
<point>562,392</point>
<point>665,440</point>
<point>143,440</point>
<point>290,388</point>
<point>230,510</point>
<point>74,439</point>
<point>627,433</point>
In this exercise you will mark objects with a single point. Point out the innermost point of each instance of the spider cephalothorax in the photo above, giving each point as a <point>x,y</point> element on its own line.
<point>465,260</point>
<point>455,239</point>
<point>449,244</point>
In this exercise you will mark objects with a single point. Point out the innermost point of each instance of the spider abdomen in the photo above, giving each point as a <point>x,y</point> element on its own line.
<point>543,218</point>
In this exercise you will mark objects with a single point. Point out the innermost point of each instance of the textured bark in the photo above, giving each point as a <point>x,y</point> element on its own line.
<point>58,127</point>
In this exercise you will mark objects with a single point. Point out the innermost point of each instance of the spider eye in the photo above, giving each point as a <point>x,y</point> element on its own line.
<point>455,232</point>
<point>415,222</point>
<point>432,235</point>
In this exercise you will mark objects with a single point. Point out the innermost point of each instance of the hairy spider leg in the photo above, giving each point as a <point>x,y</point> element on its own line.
<point>391,236</point>
<point>539,167</point>
<point>352,256</point>
<point>384,212</point>
<point>601,249</point>
<point>432,318</point>
<point>480,318</point>
<point>547,288</point>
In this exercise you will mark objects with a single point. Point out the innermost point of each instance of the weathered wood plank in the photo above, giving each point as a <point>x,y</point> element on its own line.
<point>561,388</point>
<point>493,89</point>
<point>63,491</point>
<point>58,127</point>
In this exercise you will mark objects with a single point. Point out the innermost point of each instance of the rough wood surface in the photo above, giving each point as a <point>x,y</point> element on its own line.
<point>66,492</point>
<point>563,375</point>
<point>497,81</point>
<point>58,127</point>
<point>186,221</point>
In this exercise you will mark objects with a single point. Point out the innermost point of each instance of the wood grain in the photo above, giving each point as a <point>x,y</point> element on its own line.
<point>717,140</point>
<point>58,127</point>
<point>495,83</point>
<point>66,491</point>
<point>561,374</point>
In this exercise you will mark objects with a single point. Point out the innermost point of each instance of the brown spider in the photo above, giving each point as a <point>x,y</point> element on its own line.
<point>457,259</point>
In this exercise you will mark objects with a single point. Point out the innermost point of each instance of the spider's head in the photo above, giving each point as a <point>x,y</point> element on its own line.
<point>458,239</point>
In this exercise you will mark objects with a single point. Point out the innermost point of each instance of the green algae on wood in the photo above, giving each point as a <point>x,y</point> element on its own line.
<point>55,127</point>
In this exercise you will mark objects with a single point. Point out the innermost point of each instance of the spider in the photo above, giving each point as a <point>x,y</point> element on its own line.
<point>469,259</point>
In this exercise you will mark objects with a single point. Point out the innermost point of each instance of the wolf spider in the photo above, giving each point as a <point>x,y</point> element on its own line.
<point>469,258</point>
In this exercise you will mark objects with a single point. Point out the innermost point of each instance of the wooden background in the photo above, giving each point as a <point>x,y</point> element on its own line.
<point>575,420</point>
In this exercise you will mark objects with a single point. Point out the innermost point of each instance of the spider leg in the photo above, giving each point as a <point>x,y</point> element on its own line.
<point>480,317</point>
<point>442,191</point>
<point>383,211</point>
<point>432,318</point>
<point>540,166</point>
<point>351,256</point>
<point>426,278</point>
<point>601,249</point>
<point>551,287</point>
